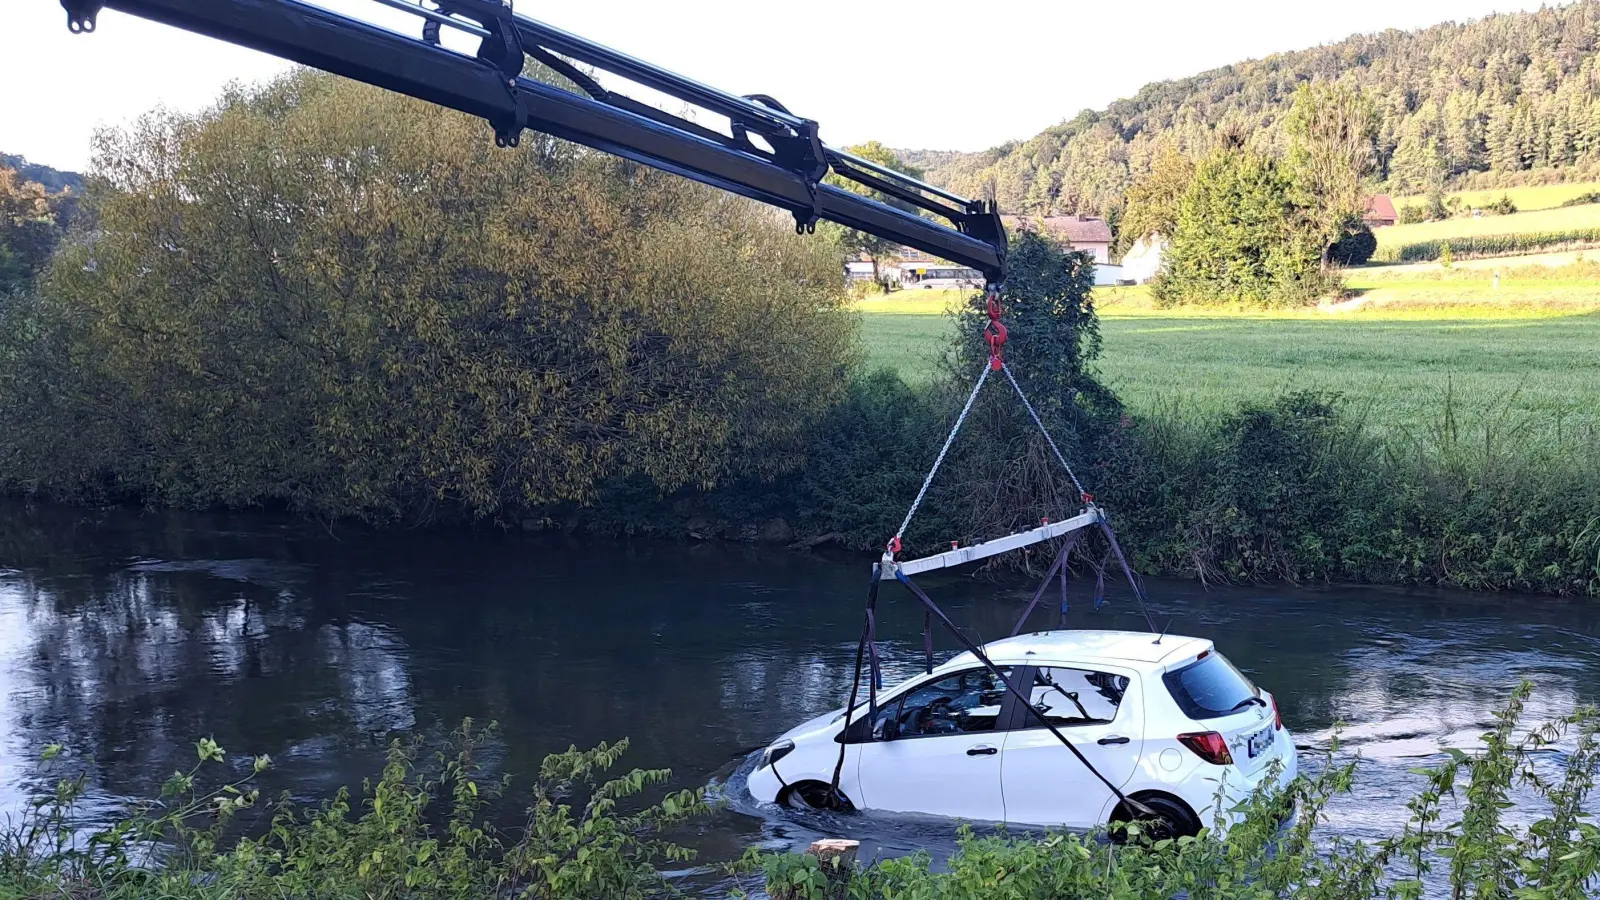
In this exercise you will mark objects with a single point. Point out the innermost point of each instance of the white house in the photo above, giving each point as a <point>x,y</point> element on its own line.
<point>1143,259</point>
<point>1085,233</point>
<point>1107,274</point>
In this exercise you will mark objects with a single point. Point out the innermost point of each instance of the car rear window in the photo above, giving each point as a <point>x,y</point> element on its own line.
<point>1209,688</point>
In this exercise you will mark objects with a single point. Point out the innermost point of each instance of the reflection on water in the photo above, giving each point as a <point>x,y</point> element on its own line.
<point>126,635</point>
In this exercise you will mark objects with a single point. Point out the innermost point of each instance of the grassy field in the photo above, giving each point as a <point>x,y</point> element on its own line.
<point>1527,199</point>
<point>1587,216</point>
<point>1524,357</point>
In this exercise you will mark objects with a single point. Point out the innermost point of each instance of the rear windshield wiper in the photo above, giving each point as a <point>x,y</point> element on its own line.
<point>1246,702</point>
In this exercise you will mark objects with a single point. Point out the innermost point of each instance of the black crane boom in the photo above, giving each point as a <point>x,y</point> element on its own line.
<point>765,152</point>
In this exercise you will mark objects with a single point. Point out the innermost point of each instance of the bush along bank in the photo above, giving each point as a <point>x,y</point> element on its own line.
<point>1300,490</point>
<point>1303,489</point>
<point>419,831</point>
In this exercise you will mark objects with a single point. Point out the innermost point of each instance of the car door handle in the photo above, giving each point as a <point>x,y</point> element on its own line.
<point>1113,739</point>
<point>982,750</point>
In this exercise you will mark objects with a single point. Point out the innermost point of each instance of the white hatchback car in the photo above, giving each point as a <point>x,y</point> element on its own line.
<point>1167,722</point>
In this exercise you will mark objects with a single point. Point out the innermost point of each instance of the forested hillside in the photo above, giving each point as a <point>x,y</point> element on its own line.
<point>53,180</point>
<point>1501,99</point>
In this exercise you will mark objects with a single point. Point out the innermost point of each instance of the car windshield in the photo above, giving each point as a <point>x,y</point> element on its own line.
<point>1210,688</point>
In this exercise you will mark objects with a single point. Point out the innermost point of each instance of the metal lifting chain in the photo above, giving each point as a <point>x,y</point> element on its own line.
<point>994,334</point>
<point>894,542</point>
<point>1082,494</point>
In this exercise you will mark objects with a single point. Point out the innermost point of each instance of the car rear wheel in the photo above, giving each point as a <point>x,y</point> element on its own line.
<point>1164,816</point>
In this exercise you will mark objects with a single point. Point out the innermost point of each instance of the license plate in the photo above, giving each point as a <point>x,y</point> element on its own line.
<point>1257,743</point>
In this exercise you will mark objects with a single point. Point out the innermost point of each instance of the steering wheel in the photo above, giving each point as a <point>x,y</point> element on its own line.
<point>935,718</point>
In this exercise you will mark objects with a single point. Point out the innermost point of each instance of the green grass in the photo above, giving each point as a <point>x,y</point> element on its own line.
<point>1527,199</point>
<point>1525,355</point>
<point>1521,223</point>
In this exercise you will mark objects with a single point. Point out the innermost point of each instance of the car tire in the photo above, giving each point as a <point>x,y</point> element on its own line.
<point>1172,817</point>
<point>814,795</point>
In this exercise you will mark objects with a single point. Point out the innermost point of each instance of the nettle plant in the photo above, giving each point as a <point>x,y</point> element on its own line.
<point>418,831</point>
<point>414,832</point>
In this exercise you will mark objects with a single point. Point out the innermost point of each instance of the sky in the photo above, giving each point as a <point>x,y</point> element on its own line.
<point>954,76</point>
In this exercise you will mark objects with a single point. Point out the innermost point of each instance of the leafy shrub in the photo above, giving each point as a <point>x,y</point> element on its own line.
<point>1502,207</point>
<point>389,843</point>
<point>327,296</point>
<point>1355,248</point>
<point>1414,213</point>
<point>1584,199</point>
<point>1241,238</point>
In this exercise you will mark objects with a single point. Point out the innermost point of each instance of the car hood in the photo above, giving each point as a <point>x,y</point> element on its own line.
<point>827,722</point>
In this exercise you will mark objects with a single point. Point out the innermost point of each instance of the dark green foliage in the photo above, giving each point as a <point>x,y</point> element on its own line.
<point>1241,238</point>
<point>32,221</point>
<point>1584,199</point>
<point>1053,331</point>
<point>1301,490</point>
<point>1481,245</point>
<point>418,830</point>
<point>1502,207</point>
<point>1505,92</point>
<point>1413,213</point>
<point>1355,248</point>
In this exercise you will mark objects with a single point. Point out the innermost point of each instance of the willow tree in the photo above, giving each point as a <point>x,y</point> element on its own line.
<point>321,294</point>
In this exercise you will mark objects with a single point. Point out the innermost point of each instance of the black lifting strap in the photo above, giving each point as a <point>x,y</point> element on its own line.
<point>1059,567</point>
<point>868,638</point>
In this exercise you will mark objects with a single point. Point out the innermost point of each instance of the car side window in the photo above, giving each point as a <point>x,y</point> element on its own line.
<point>963,703</point>
<point>1067,697</point>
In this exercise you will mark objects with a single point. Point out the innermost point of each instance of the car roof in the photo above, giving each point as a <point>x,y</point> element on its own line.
<point>1138,649</point>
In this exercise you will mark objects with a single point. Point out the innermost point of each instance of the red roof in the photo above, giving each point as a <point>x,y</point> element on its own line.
<point>1074,230</point>
<point>1380,207</point>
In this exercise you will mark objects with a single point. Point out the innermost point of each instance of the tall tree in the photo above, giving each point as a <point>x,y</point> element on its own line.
<point>1332,157</point>
<point>1240,237</point>
<point>854,242</point>
<point>329,296</point>
<point>1416,167</point>
<point>29,228</point>
<point>1154,199</point>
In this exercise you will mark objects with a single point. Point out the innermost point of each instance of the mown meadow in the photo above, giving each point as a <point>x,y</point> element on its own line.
<point>1419,352</point>
<point>1527,198</point>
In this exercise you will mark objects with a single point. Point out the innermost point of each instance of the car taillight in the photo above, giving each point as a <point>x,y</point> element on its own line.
<point>1277,714</point>
<point>1209,746</point>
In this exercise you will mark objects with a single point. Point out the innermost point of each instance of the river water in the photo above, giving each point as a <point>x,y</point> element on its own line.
<point>126,635</point>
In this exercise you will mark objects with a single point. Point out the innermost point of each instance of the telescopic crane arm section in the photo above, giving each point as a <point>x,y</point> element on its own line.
<point>766,153</point>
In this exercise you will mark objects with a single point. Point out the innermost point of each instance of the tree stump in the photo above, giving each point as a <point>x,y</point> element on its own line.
<point>837,860</point>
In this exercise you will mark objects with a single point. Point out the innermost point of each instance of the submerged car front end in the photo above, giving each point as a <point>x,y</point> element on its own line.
<point>804,755</point>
